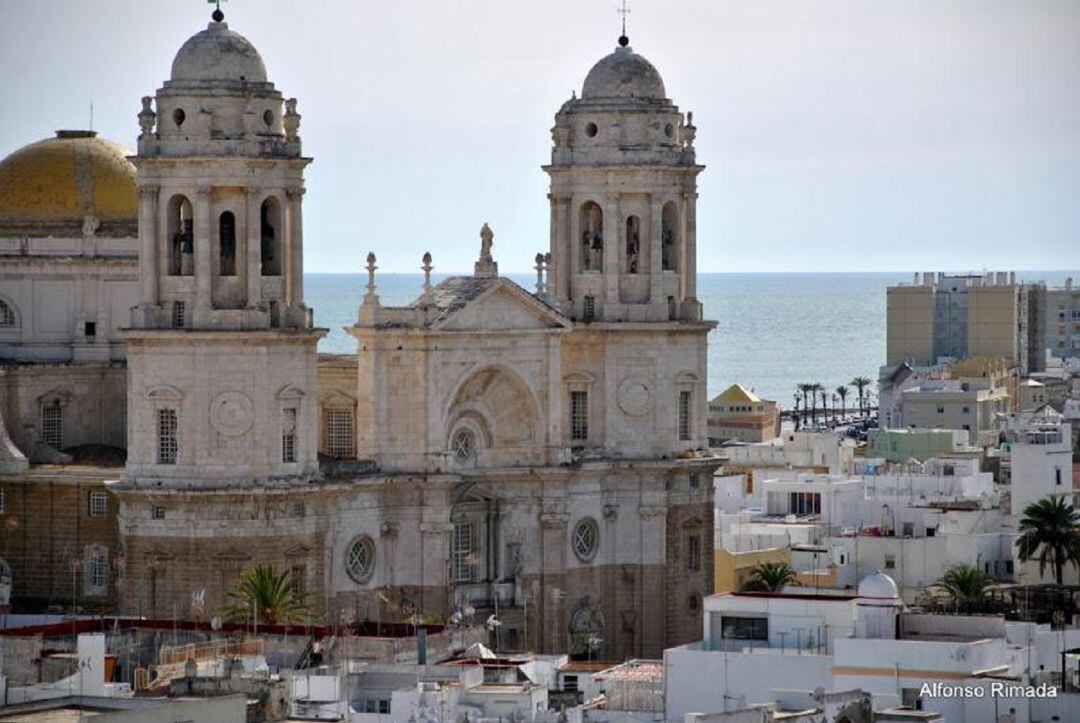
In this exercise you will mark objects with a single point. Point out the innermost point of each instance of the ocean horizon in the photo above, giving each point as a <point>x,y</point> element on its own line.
<point>773,331</point>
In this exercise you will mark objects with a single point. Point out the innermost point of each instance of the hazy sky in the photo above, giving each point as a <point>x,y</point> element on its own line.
<point>838,135</point>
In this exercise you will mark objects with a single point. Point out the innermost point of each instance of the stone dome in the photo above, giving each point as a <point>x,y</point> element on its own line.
<point>879,586</point>
<point>218,54</point>
<point>66,178</point>
<point>623,74</point>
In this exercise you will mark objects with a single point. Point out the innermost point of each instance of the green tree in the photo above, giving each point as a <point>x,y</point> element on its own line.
<point>1050,533</point>
<point>771,577</point>
<point>861,383</point>
<point>842,392</point>
<point>805,389</point>
<point>966,586</point>
<point>276,596</point>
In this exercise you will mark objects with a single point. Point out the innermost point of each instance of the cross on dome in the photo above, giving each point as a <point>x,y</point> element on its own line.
<point>624,11</point>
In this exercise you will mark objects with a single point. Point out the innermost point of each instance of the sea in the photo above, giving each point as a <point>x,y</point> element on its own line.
<point>773,330</point>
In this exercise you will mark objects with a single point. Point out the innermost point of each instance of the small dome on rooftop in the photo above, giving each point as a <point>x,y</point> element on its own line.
<point>218,54</point>
<point>879,586</point>
<point>623,74</point>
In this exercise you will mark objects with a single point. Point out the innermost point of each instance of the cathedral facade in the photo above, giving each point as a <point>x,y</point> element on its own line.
<point>539,455</point>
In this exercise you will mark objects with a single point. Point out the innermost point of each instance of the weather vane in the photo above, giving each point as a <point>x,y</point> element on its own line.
<point>217,15</point>
<point>624,11</point>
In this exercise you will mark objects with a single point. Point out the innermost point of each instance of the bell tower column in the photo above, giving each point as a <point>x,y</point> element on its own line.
<point>656,272</point>
<point>295,271</point>
<point>254,247</point>
<point>612,247</point>
<point>202,249</point>
<point>691,247</point>
<point>148,243</point>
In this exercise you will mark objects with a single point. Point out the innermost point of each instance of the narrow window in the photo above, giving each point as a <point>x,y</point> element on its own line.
<point>684,416</point>
<point>98,504</point>
<point>1057,476</point>
<point>227,243</point>
<point>270,237</point>
<point>90,329</point>
<point>890,562</point>
<point>167,444</point>
<point>179,317</point>
<point>2,508</point>
<point>52,425</point>
<point>633,244</point>
<point>693,553</point>
<point>340,435</point>
<point>7,315</point>
<point>99,570</point>
<point>462,553</point>
<point>579,416</point>
<point>298,580</point>
<point>288,435</point>
<point>588,312</point>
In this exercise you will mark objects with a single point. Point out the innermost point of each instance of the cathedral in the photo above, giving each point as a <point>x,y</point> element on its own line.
<point>535,454</point>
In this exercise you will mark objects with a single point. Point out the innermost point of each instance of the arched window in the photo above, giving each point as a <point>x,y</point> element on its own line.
<point>227,244</point>
<point>7,315</point>
<point>270,235</point>
<point>669,237</point>
<point>592,237</point>
<point>181,237</point>
<point>633,244</point>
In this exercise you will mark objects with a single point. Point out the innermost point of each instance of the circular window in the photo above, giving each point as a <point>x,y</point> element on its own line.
<point>178,117</point>
<point>464,445</point>
<point>586,539</point>
<point>268,117</point>
<point>669,130</point>
<point>360,561</point>
<point>591,129</point>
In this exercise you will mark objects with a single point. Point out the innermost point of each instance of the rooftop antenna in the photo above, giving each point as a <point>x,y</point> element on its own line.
<point>217,15</point>
<point>91,114</point>
<point>624,11</point>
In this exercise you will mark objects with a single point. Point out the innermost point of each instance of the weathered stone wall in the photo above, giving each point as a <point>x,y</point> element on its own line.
<point>47,530</point>
<point>93,398</point>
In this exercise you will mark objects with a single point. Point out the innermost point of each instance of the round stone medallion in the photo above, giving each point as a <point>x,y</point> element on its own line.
<point>232,413</point>
<point>635,397</point>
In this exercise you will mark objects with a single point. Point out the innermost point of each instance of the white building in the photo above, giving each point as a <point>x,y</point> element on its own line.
<point>757,644</point>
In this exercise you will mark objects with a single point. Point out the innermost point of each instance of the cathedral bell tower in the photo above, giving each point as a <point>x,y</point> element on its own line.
<point>623,198</point>
<point>221,349</point>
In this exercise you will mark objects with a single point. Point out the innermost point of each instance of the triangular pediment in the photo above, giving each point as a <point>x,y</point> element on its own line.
<point>504,307</point>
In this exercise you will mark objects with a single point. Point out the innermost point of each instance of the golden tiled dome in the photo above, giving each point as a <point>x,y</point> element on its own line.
<point>50,187</point>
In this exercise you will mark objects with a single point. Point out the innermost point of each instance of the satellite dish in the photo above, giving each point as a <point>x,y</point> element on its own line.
<point>493,622</point>
<point>215,623</point>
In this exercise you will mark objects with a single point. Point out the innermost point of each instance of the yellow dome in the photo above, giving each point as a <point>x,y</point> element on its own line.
<point>50,187</point>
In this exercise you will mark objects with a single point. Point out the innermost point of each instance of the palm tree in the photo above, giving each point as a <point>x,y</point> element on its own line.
<point>842,392</point>
<point>805,389</point>
<point>818,389</point>
<point>824,402</point>
<point>860,383</point>
<point>771,577</point>
<point>274,596</point>
<point>1050,533</point>
<point>966,585</point>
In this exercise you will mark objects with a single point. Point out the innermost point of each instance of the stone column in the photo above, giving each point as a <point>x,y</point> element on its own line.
<point>295,271</point>
<point>148,244</point>
<point>613,247</point>
<point>656,252</point>
<point>573,266</point>
<point>690,246</point>
<point>202,249</point>
<point>254,247</point>
<point>562,254</point>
